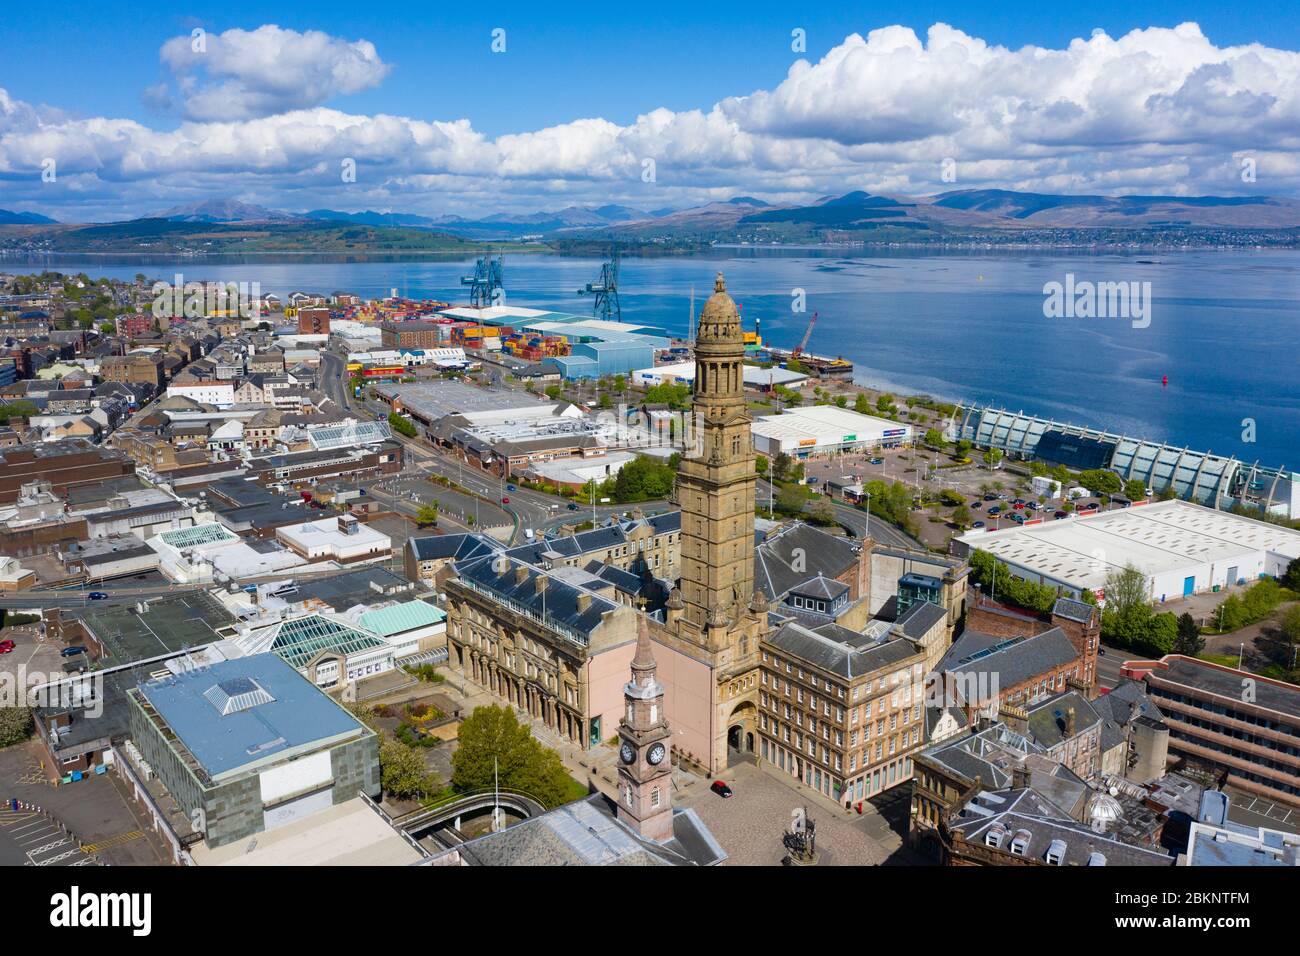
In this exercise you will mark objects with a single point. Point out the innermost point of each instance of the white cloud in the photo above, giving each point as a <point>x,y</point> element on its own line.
<point>246,73</point>
<point>1157,110</point>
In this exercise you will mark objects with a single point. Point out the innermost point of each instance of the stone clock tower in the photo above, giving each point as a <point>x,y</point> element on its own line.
<point>715,484</point>
<point>645,796</point>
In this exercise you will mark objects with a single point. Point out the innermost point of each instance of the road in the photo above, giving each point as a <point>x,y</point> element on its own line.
<point>117,594</point>
<point>856,520</point>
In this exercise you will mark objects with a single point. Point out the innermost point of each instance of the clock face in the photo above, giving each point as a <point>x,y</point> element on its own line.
<point>627,753</point>
<point>656,753</point>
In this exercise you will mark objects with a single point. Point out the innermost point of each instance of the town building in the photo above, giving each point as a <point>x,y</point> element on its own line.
<point>839,711</point>
<point>248,745</point>
<point>1239,724</point>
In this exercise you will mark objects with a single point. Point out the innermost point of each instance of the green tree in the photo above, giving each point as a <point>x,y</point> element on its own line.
<point>1189,640</point>
<point>402,770</point>
<point>760,465</point>
<point>554,391</point>
<point>15,725</point>
<point>961,516</point>
<point>884,403</point>
<point>495,747</point>
<point>861,405</point>
<point>401,425</point>
<point>1291,577</point>
<point>428,515</point>
<point>992,457</point>
<point>781,466</point>
<point>841,401</point>
<point>1101,481</point>
<point>790,499</point>
<point>1135,489</point>
<point>1126,588</point>
<point>933,437</point>
<point>963,448</point>
<point>14,410</point>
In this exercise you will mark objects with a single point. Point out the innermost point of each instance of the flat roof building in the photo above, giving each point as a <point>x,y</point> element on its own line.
<point>247,745</point>
<point>1182,548</point>
<point>1229,719</point>
<point>823,430</point>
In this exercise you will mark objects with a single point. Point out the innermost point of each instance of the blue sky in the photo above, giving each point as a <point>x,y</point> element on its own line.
<point>614,63</point>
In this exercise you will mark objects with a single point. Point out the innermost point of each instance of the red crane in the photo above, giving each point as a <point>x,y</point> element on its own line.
<point>806,336</point>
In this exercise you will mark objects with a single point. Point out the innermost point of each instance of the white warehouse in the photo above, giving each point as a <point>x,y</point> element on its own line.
<point>1182,548</point>
<point>823,430</point>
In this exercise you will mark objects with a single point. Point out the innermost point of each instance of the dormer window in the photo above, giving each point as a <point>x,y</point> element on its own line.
<point>1020,843</point>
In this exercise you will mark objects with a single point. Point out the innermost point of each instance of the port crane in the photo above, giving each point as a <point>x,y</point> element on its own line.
<point>605,305</point>
<point>799,349</point>
<point>487,285</point>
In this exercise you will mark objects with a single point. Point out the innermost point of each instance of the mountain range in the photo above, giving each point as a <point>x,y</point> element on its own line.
<point>988,215</point>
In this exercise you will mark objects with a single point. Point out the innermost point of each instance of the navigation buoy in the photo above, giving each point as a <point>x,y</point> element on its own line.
<point>1164,380</point>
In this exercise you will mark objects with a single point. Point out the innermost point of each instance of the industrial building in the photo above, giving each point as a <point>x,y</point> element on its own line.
<point>1201,477</point>
<point>1182,548</point>
<point>248,745</point>
<point>824,430</point>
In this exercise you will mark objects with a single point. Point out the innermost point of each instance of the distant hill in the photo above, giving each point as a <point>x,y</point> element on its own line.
<point>1084,211</point>
<point>165,236</point>
<point>223,210</point>
<point>8,218</point>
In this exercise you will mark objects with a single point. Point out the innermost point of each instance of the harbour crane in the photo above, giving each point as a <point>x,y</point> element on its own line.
<point>806,336</point>
<point>487,285</point>
<point>605,305</point>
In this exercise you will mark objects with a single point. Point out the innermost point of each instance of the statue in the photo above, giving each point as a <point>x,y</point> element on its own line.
<point>800,839</point>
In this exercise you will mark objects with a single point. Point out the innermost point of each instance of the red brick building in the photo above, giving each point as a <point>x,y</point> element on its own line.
<point>314,321</point>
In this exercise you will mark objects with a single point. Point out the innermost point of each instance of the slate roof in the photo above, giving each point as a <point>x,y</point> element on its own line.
<point>799,545</point>
<point>589,833</point>
<point>836,657</point>
<point>1073,610</point>
<point>1047,718</point>
<point>613,534</point>
<point>1023,811</point>
<point>457,547</point>
<point>556,606</point>
<point>918,619</point>
<point>1012,660</point>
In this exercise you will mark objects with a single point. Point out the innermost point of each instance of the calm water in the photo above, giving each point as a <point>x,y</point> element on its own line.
<point>1225,326</point>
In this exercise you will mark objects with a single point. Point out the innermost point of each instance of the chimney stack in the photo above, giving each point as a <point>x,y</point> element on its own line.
<point>540,582</point>
<point>1069,722</point>
<point>584,601</point>
<point>521,574</point>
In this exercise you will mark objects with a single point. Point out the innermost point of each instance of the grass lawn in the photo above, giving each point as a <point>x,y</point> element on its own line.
<point>1226,660</point>
<point>575,791</point>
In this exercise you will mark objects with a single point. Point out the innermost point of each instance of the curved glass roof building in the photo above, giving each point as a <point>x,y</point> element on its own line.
<point>1202,477</point>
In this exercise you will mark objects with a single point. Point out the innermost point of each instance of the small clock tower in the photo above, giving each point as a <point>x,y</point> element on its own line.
<point>645,796</point>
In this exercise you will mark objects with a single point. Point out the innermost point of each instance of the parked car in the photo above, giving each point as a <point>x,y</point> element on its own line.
<point>977,524</point>
<point>511,488</point>
<point>505,501</point>
<point>990,497</point>
<point>1017,517</point>
<point>72,651</point>
<point>573,506</point>
<point>1061,514</point>
<point>721,789</point>
<point>6,646</point>
<point>996,509</point>
<point>877,461</point>
<point>97,596</point>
